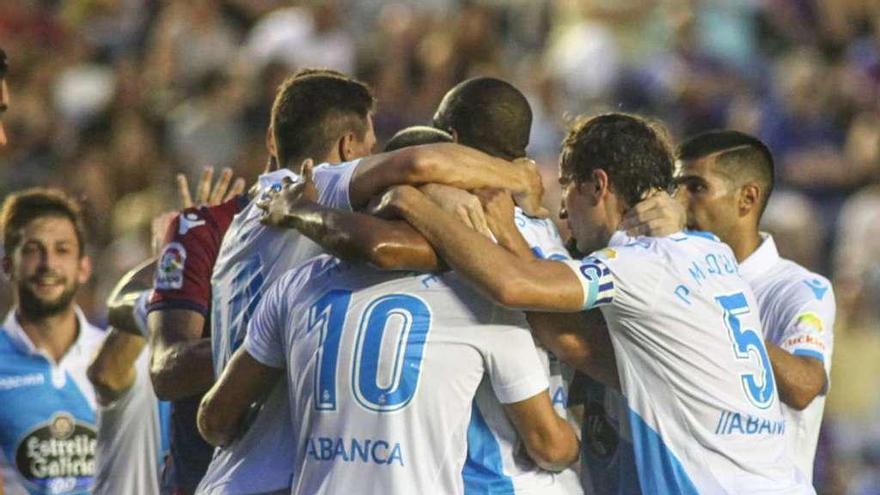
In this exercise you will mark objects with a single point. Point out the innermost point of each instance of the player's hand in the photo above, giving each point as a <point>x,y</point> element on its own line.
<point>205,194</point>
<point>498,207</point>
<point>657,215</point>
<point>392,203</point>
<point>462,204</point>
<point>279,204</point>
<point>533,189</point>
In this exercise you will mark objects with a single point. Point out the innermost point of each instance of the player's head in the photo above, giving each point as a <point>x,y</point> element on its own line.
<point>608,164</point>
<point>4,95</point>
<point>416,135</point>
<point>725,180</point>
<point>487,114</point>
<point>44,250</point>
<point>323,115</point>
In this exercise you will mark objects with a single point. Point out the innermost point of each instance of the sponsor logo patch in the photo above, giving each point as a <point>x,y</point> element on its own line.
<point>58,456</point>
<point>810,320</point>
<point>169,271</point>
<point>189,221</point>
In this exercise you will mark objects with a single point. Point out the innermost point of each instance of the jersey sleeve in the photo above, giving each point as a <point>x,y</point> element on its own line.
<point>264,340</point>
<point>192,243</point>
<point>333,182</point>
<point>810,332</point>
<point>624,277</point>
<point>542,236</point>
<point>512,363</point>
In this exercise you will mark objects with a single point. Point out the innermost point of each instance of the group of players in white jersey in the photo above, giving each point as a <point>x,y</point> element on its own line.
<point>411,322</point>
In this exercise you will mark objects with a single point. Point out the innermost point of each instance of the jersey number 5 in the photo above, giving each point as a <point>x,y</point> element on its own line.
<point>747,344</point>
<point>412,318</point>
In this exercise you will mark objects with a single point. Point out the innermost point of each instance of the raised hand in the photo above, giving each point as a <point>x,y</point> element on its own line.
<point>205,194</point>
<point>278,204</point>
<point>657,215</point>
<point>498,206</point>
<point>530,199</point>
<point>462,204</point>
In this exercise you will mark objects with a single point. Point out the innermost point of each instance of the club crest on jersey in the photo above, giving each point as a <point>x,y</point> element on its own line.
<point>169,272</point>
<point>58,456</point>
<point>189,221</point>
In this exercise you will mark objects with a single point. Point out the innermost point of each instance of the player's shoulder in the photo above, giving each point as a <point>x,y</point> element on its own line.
<point>799,284</point>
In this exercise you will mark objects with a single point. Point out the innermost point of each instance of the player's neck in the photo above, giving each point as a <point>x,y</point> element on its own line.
<point>53,334</point>
<point>745,243</point>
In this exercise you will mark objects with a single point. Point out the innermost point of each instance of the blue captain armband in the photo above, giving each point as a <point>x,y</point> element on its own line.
<point>596,281</point>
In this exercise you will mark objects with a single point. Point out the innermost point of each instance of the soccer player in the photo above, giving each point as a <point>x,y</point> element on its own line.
<point>493,116</point>
<point>726,180</point>
<point>325,117</point>
<point>47,422</point>
<point>132,424</point>
<point>4,95</point>
<point>703,407</point>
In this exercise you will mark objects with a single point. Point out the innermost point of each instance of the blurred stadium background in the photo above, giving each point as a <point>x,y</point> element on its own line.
<point>111,98</point>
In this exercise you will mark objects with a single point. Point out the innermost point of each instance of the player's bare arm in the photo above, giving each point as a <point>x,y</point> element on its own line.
<point>497,272</point>
<point>112,369</point>
<point>579,339</point>
<point>450,164</point>
<point>352,236</point>
<point>224,408</point>
<point>799,378</point>
<point>180,358</point>
<point>549,440</point>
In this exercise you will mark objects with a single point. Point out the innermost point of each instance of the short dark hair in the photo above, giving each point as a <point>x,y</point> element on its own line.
<point>635,153</point>
<point>313,110</point>
<point>21,208</point>
<point>487,114</point>
<point>740,156</point>
<point>4,64</point>
<point>416,135</point>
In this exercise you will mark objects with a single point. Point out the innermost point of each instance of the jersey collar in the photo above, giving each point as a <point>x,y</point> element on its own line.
<point>23,343</point>
<point>764,258</point>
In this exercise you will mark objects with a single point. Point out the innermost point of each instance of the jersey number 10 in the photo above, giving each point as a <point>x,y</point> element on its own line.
<point>328,315</point>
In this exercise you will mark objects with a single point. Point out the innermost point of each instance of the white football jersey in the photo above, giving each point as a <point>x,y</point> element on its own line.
<point>251,257</point>
<point>496,461</point>
<point>797,313</point>
<point>382,370</point>
<point>704,413</point>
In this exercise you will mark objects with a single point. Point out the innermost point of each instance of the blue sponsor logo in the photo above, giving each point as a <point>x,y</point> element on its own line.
<point>734,423</point>
<point>371,451</point>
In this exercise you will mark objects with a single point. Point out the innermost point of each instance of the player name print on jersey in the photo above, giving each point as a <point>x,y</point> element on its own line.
<point>58,456</point>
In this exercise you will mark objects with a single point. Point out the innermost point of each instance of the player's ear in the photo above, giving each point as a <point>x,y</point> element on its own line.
<point>84,270</point>
<point>270,142</point>
<point>601,184</point>
<point>749,198</point>
<point>346,146</point>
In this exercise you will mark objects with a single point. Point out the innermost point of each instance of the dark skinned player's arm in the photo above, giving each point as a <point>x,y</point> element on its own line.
<point>799,378</point>
<point>181,363</point>
<point>549,440</point>
<point>352,236</point>
<point>579,339</point>
<point>224,408</point>
<point>529,284</point>
<point>449,164</point>
<point>112,369</point>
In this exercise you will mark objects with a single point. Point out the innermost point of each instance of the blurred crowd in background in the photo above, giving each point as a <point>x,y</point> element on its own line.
<point>112,98</point>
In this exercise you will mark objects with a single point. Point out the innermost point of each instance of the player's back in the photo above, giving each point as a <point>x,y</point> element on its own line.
<point>703,407</point>
<point>382,370</point>
<point>251,257</point>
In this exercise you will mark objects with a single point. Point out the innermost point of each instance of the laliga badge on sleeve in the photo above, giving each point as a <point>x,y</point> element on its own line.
<point>169,270</point>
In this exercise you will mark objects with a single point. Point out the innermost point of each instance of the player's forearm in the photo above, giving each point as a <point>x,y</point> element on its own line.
<point>123,298</point>
<point>217,422</point>
<point>579,339</point>
<point>799,379</point>
<point>182,369</point>
<point>495,271</point>
<point>555,452</point>
<point>466,168</point>
<point>387,244</point>
<point>112,371</point>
